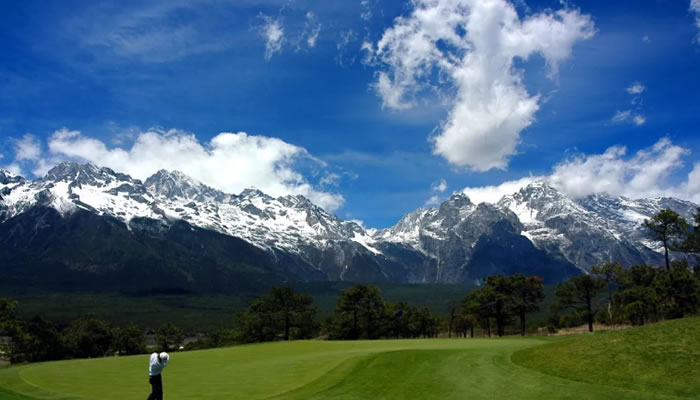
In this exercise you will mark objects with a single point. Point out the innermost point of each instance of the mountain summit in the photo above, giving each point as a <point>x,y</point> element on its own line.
<point>537,230</point>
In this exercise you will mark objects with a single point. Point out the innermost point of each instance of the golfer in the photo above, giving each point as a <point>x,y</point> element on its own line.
<point>155,367</point>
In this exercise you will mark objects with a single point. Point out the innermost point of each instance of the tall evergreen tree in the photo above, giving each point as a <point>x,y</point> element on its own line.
<point>579,293</point>
<point>358,313</point>
<point>611,273</point>
<point>526,295</point>
<point>668,228</point>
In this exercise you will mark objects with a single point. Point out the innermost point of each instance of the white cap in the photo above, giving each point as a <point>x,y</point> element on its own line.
<point>164,356</point>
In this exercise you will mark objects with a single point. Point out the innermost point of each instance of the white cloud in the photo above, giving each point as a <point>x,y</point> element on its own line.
<point>366,13</point>
<point>346,56</point>
<point>230,161</point>
<point>639,120</point>
<point>433,201</point>
<point>492,194</point>
<point>695,7</point>
<point>644,174</point>
<point>330,179</point>
<point>312,29</point>
<point>273,33</point>
<point>440,186</point>
<point>15,169</point>
<point>646,39</point>
<point>27,148</point>
<point>147,31</point>
<point>621,116</point>
<point>436,189</point>
<point>469,47</point>
<point>628,116</point>
<point>636,88</point>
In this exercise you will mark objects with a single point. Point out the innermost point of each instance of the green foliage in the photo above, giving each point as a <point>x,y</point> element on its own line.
<point>500,299</point>
<point>358,314</point>
<point>580,293</point>
<point>88,337</point>
<point>361,313</point>
<point>526,295</point>
<point>130,340</point>
<point>611,273</point>
<point>668,228</point>
<point>169,337</point>
<point>691,244</point>
<point>284,314</point>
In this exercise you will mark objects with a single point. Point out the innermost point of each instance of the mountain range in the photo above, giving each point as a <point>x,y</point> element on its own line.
<point>83,226</point>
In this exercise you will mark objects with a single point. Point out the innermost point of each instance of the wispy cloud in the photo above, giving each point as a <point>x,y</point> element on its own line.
<point>28,148</point>
<point>312,29</point>
<point>272,32</point>
<point>621,116</point>
<point>632,116</point>
<point>636,88</point>
<point>695,7</point>
<point>346,56</point>
<point>148,32</point>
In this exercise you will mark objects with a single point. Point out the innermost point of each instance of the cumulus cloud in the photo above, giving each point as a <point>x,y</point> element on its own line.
<point>230,161</point>
<point>636,88</point>
<point>272,31</point>
<point>468,48</point>
<point>646,173</point>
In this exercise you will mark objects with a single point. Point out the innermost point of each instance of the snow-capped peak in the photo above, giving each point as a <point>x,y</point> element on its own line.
<point>174,185</point>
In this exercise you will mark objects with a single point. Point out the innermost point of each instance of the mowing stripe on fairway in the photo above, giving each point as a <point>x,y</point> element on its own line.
<point>382,370</point>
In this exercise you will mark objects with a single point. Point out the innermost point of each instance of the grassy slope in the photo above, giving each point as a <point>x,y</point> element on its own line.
<point>399,369</point>
<point>662,358</point>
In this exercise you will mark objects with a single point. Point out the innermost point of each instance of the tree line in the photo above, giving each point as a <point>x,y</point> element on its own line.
<point>641,293</point>
<point>502,304</point>
<point>37,339</point>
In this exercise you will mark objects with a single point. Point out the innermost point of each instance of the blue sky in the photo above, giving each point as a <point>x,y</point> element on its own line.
<point>139,88</point>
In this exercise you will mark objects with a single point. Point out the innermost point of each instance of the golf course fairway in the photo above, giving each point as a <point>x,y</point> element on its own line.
<point>391,369</point>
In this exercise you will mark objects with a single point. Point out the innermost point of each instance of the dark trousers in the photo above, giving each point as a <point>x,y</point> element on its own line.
<point>156,387</point>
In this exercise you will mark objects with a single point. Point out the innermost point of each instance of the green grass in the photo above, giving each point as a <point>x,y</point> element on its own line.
<point>397,369</point>
<point>661,358</point>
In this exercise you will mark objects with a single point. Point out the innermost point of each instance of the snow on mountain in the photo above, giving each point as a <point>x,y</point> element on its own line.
<point>288,223</point>
<point>592,230</point>
<point>453,243</point>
